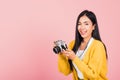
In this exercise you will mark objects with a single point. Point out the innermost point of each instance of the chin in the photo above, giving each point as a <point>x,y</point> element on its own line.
<point>83,36</point>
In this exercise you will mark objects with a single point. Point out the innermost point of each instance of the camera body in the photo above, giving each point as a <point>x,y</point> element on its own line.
<point>59,46</point>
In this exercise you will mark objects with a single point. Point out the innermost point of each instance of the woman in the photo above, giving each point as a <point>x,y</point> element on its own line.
<point>86,57</point>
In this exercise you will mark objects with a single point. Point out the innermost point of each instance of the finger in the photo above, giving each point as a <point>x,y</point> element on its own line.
<point>63,51</point>
<point>67,55</point>
<point>68,50</point>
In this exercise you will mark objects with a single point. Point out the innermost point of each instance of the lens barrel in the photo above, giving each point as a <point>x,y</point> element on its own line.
<point>56,49</point>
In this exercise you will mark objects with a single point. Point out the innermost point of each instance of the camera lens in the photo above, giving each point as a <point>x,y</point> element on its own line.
<point>56,49</point>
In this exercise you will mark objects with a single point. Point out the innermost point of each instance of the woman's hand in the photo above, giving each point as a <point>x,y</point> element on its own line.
<point>69,53</point>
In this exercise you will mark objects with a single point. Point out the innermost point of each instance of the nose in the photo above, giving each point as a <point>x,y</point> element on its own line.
<point>81,27</point>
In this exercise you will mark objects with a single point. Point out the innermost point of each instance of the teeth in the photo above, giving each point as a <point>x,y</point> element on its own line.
<point>83,32</point>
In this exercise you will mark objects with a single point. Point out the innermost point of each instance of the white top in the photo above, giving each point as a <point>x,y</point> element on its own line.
<point>80,54</point>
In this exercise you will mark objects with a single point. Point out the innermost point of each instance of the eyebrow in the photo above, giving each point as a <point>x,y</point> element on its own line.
<point>84,22</point>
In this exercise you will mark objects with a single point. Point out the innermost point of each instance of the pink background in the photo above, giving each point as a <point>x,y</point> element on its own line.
<point>29,27</point>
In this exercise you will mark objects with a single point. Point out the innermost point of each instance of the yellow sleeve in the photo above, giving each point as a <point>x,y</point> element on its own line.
<point>63,63</point>
<point>97,60</point>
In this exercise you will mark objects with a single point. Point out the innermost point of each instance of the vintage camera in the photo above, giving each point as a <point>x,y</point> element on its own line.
<point>59,46</point>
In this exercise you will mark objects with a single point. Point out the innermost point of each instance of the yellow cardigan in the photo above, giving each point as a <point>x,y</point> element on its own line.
<point>93,65</point>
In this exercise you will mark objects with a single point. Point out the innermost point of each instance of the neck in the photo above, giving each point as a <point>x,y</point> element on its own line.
<point>85,40</point>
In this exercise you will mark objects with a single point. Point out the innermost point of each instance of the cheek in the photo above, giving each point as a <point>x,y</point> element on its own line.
<point>88,27</point>
<point>78,28</point>
<point>90,30</point>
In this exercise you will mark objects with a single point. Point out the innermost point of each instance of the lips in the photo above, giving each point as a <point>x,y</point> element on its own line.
<point>83,32</point>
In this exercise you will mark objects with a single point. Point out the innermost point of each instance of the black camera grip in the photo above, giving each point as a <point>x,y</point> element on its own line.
<point>64,47</point>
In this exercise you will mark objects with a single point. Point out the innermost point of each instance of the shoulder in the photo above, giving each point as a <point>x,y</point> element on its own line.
<point>98,43</point>
<point>99,49</point>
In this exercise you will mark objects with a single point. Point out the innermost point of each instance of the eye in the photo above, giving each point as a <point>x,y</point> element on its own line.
<point>86,24</point>
<point>79,23</point>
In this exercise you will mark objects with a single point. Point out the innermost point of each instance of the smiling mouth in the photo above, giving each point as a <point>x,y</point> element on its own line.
<point>83,32</point>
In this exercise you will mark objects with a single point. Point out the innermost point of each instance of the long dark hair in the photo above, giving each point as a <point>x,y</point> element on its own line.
<point>95,33</point>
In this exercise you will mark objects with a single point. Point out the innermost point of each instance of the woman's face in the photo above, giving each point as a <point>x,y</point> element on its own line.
<point>85,27</point>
